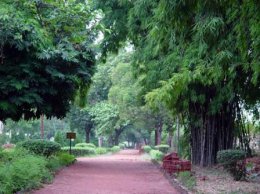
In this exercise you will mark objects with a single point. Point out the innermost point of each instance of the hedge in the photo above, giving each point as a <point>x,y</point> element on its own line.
<point>40,147</point>
<point>163,148</point>
<point>122,145</point>
<point>232,161</point>
<point>101,150</point>
<point>56,162</point>
<point>147,148</point>
<point>80,151</point>
<point>156,155</point>
<point>83,145</point>
<point>115,149</point>
<point>227,157</point>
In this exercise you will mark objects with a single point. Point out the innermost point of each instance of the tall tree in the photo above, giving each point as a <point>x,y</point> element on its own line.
<point>199,58</point>
<point>81,120</point>
<point>45,56</point>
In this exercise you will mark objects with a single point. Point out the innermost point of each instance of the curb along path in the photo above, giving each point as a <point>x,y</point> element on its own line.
<point>121,173</point>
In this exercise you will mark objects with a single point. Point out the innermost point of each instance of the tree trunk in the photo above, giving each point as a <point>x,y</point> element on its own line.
<point>87,130</point>
<point>117,134</point>
<point>170,137</point>
<point>42,126</point>
<point>158,131</point>
<point>212,133</point>
<point>116,140</point>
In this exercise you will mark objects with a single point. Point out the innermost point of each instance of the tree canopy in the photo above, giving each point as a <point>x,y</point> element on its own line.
<point>46,58</point>
<point>199,58</point>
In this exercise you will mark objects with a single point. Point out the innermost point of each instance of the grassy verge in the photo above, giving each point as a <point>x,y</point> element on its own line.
<point>21,170</point>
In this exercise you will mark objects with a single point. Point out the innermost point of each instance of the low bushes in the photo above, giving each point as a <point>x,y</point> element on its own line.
<point>163,148</point>
<point>115,149</point>
<point>233,161</point>
<point>147,148</point>
<point>101,150</point>
<point>40,147</point>
<point>156,155</point>
<point>122,145</point>
<point>85,151</point>
<point>23,171</point>
<point>80,151</point>
<point>56,162</point>
<point>83,145</point>
<point>65,159</point>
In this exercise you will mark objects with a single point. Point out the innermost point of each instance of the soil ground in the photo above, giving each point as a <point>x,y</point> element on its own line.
<point>123,173</point>
<point>217,181</point>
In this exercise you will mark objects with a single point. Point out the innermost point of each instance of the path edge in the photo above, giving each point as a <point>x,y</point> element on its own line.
<point>174,182</point>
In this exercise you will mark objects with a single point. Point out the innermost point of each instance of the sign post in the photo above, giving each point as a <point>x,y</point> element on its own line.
<point>71,135</point>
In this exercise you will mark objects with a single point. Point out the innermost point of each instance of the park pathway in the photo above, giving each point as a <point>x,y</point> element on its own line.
<point>123,173</point>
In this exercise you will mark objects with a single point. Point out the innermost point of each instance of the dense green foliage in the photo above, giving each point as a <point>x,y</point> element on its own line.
<point>233,161</point>
<point>122,145</point>
<point>147,149</point>
<point>115,149</point>
<point>21,171</point>
<point>101,150</point>
<point>40,147</point>
<point>156,155</point>
<point>228,157</point>
<point>46,57</point>
<point>23,174</point>
<point>80,151</point>
<point>91,145</point>
<point>90,151</point>
<point>195,58</point>
<point>56,162</point>
<point>163,148</point>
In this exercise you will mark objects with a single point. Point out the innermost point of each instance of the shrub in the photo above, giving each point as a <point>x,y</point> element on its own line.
<point>115,149</point>
<point>163,148</point>
<point>156,155</point>
<point>65,159</point>
<point>147,148</point>
<point>53,163</point>
<point>122,145</point>
<point>23,173</point>
<point>60,137</point>
<point>230,156</point>
<point>232,160</point>
<point>101,150</point>
<point>83,145</point>
<point>80,151</point>
<point>56,162</point>
<point>40,147</point>
<point>10,155</point>
<point>187,179</point>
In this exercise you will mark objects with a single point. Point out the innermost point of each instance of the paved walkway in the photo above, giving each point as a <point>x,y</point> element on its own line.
<point>122,173</point>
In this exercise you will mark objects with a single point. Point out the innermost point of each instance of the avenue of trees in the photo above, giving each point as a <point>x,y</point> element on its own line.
<point>199,58</point>
<point>163,70</point>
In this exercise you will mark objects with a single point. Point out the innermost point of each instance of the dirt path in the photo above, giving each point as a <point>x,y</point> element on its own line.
<point>122,173</point>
